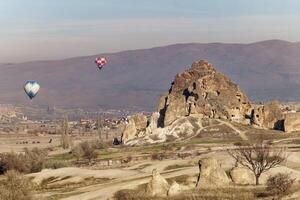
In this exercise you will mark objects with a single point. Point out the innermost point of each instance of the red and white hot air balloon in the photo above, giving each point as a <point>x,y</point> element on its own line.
<point>100,62</point>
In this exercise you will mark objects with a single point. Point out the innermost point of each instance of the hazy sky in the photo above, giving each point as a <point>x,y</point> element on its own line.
<point>52,29</point>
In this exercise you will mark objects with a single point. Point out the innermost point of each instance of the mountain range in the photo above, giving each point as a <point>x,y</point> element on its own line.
<point>135,79</point>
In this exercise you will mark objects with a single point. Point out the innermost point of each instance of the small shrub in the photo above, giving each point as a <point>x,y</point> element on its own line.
<point>158,156</point>
<point>35,159</point>
<point>12,161</point>
<point>15,187</point>
<point>100,145</point>
<point>29,162</point>
<point>89,151</point>
<point>77,152</point>
<point>127,159</point>
<point>279,184</point>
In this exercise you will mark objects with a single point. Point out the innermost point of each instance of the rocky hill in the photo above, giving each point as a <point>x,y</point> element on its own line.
<point>205,91</point>
<point>196,95</point>
<point>265,70</point>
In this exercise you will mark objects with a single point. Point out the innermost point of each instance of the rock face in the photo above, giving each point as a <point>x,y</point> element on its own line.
<point>204,91</point>
<point>140,121</point>
<point>292,122</point>
<point>158,186</point>
<point>242,176</point>
<point>130,131</point>
<point>211,174</point>
<point>268,116</point>
<point>181,128</point>
<point>135,124</point>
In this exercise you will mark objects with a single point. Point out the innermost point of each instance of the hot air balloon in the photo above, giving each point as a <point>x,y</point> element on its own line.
<point>100,62</point>
<point>31,88</point>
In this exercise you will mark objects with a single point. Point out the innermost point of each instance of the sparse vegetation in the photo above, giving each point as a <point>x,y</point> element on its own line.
<point>158,156</point>
<point>86,150</point>
<point>259,158</point>
<point>177,166</point>
<point>15,187</point>
<point>77,152</point>
<point>56,164</point>
<point>279,184</point>
<point>195,194</point>
<point>31,161</point>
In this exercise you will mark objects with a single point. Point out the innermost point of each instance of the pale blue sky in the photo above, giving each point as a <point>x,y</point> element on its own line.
<point>53,29</point>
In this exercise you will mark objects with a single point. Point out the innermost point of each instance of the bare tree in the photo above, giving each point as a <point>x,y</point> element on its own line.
<point>99,127</point>
<point>65,137</point>
<point>259,158</point>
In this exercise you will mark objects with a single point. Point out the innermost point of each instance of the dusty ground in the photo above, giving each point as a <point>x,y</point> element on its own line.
<point>137,174</point>
<point>92,182</point>
<point>17,142</point>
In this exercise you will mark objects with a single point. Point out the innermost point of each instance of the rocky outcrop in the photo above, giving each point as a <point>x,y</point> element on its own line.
<point>197,93</point>
<point>130,131</point>
<point>140,121</point>
<point>182,128</point>
<point>268,116</point>
<point>136,123</point>
<point>242,176</point>
<point>158,186</point>
<point>176,189</point>
<point>204,91</point>
<point>211,174</point>
<point>292,122</point>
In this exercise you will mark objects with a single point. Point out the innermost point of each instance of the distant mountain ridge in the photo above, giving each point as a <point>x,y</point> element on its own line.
<point>136,78</point>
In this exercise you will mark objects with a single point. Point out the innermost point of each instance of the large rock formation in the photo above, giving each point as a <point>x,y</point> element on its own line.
<point>182,128</point>
<point>292,122</point>
<point>203,90</point>
<point>211,174</point>
<point>136,123</point>
<point>158,186</point>
<point>268,116</point>
<point>197,93</point>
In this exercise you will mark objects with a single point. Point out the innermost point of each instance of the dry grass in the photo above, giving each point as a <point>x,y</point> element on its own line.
<point>15,187</point>
<point>29,162</point>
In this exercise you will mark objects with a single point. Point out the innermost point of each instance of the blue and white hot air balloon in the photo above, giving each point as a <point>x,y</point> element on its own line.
<point>31,88</point>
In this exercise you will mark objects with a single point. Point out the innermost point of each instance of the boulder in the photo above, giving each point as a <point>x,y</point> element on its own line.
<point>268,116</point>
<point>292,122</point>
<point>204,91</point>
<point>176,189</point>
<point>211,174</point>
<point>242,176</point>
<point>158,186</point>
